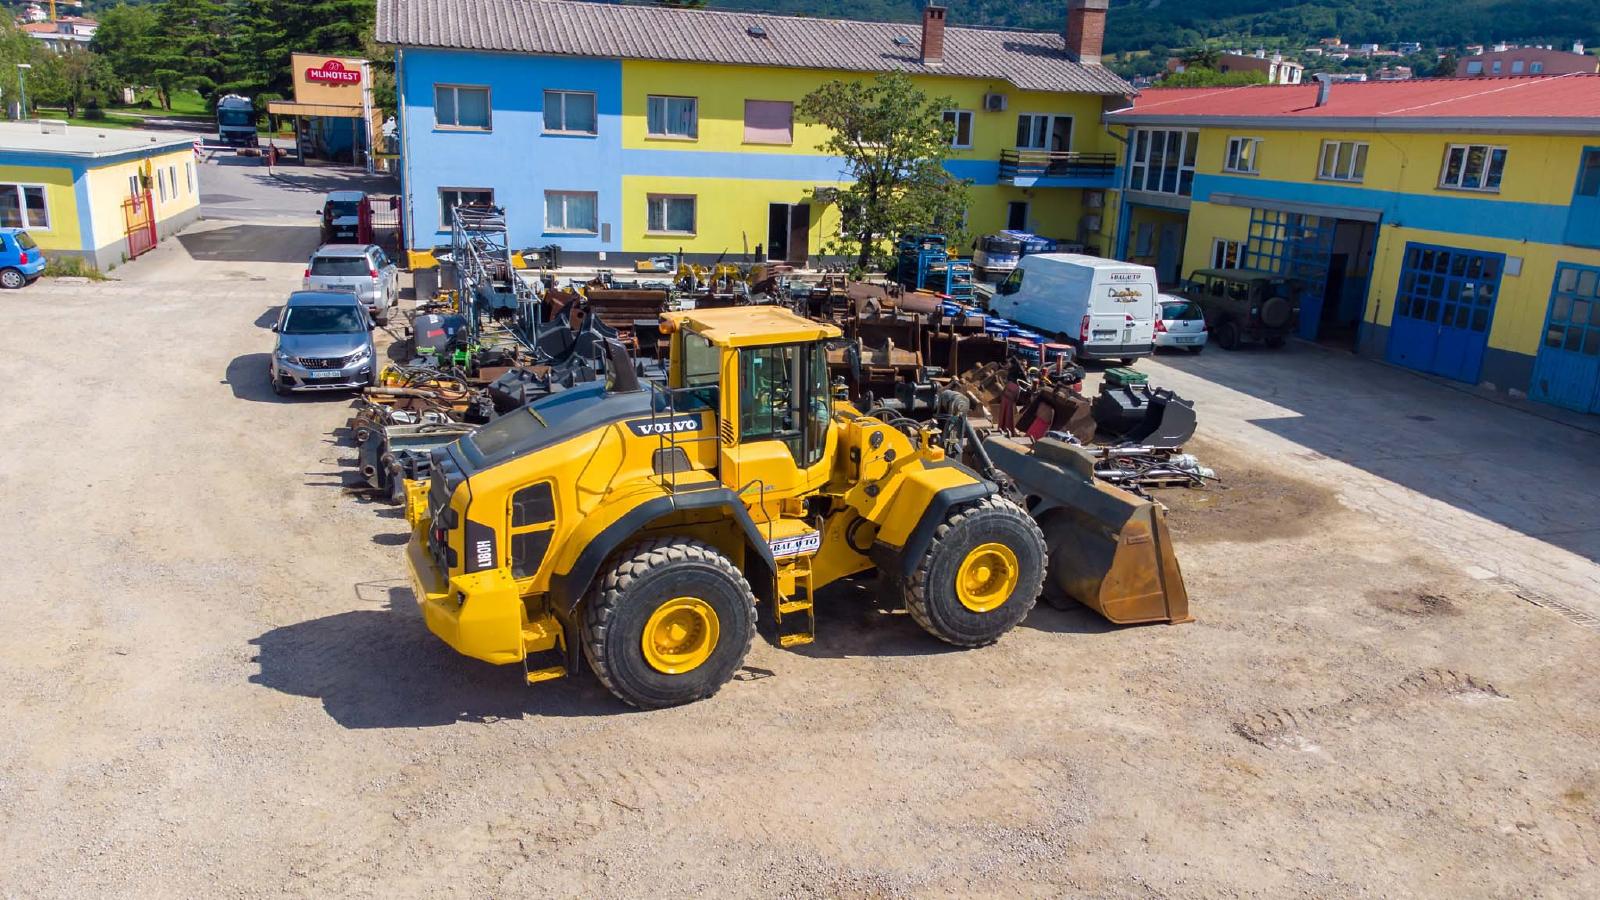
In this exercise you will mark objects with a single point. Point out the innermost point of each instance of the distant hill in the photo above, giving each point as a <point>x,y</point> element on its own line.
<point>1142,24</point>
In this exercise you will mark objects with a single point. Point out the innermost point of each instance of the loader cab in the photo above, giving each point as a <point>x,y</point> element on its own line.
<point>765,371</point>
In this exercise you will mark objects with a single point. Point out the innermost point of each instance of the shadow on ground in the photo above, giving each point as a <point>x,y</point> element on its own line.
<point>252,243</point>
<point>1452,445</point>
<point>382,668</point>
<point>247,376</point>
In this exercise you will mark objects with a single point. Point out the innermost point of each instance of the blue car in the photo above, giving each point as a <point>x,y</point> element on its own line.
<point>20,259</point>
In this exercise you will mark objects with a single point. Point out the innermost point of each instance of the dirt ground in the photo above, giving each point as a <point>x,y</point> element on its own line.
<point>215,683</point>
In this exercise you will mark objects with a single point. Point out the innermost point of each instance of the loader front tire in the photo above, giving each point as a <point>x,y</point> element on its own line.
<point>980,576</point>
<point>668,623</point>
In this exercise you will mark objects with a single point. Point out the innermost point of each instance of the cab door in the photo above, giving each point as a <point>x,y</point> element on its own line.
<point>776,422</point>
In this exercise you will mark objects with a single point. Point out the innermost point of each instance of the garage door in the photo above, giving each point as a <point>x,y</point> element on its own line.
<point>1567,372</point>
<point>1442,310</point>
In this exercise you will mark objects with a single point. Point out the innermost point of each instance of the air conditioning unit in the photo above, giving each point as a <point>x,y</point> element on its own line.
<point>820,194</point>
<point>1094,199</point>
<point>994,102</point>
<point>1091,224</point>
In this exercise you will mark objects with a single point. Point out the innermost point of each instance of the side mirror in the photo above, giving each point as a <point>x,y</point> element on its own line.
<point>274,328</point>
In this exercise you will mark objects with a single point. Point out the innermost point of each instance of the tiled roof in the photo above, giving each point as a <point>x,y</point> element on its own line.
<point>1029,60</point>
<point>1527,98</point>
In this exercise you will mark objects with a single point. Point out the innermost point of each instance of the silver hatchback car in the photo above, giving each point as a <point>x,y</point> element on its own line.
<point>324,344</point>
<point>366,270</point>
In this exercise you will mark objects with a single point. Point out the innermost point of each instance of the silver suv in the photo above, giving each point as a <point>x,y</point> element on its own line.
<point>366,271</point>
<point>324,344</point>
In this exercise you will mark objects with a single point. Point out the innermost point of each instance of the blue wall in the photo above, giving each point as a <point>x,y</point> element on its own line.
<point>516,158</point>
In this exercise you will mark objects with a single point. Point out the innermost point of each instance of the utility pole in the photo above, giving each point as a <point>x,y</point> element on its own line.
<point>22,91</point>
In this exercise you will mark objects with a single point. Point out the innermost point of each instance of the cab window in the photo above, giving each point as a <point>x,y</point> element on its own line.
<point>1012,284</point>
<point>1217,287</point>
<point>1238,290</point>
<point>700,368</point>
<point>783,396</point>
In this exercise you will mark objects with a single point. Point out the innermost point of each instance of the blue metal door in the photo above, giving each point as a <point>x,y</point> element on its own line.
<point>1583,215</point>
<point>1567,371</point>
<point>1443,308</point>
<point>1299,247</point>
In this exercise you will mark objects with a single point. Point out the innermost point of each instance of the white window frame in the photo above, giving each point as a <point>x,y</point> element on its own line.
<point>188,172</point>
<point>564,228</point>
<point>444,208</point>
<point>172,179</point>
<point>652,199</point>
<point>562,94</point>
<point>1223,249</point>
<point>488,107</point>
<point>1459,182</point>
<point>1141,156</point>
<point>1049,131</point>
<point>1355,169</point>
<point>955,116</point>
<point>20,188</point>
<point>161,184</point>
<point>694,135</point>
<point>1243,156</point>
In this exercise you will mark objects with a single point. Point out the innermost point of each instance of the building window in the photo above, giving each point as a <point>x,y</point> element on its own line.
<point>188,176</point>
<point>23,206</point>
<point>1475,67</point>
<point>1051,133</point>
<point>1516,67</point>
<point>1163,161</point>
<point>1017,215</point>
<point>161,185</point>
<point>960,122</point>
<point>1473,167</point>
<point>461,106</point>
<point>1226,254</point>
<point>1589,174</point>
<point>172,179</point>
<point>569,112</point>
<point>1495,67</point>
<point>677,117</point>
<point>669,214</point>
<point>572,212</point>
<point>450,198</point>
<point>1343,161</point>
<point>768,122</point>
<point>1242,155</point>
<point>1536,67</point>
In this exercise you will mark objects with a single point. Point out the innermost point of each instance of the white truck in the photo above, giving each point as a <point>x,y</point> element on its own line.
<point>1104,308</point>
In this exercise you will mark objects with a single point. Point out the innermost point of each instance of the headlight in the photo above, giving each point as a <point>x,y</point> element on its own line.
<point>361,355</point>
<point>283,357</point>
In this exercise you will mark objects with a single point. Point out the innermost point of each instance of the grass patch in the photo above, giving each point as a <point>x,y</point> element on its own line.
<point>108,120</point>
<point>71,267</point>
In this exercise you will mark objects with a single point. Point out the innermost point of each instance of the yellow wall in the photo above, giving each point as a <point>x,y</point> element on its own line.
<point>61,202</point>
<point>1208,221</point>
<point>730,214</point>
<point>108,188</point>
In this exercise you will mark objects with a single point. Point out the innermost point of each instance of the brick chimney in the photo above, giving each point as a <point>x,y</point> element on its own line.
<point>932,35</point>
<point>1086,29</point>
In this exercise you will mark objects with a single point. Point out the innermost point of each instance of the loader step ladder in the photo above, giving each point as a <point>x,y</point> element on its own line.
<point>792,613</point>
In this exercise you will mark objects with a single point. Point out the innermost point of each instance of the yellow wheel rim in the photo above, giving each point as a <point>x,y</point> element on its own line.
<point>987,577</point>
<point>680,635</point>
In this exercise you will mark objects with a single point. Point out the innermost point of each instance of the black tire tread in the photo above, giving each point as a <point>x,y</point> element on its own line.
<point>916,587</point>
<point>613,584</point>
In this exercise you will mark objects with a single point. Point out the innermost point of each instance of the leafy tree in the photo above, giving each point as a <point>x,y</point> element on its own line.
<point>127,41</point>
<point>1446,67</point>
<point>893,140</point>
<point>1198,76</point>
<point>71,78</point>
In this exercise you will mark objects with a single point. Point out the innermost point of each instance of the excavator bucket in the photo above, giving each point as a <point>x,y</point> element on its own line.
<point>1108,549</point>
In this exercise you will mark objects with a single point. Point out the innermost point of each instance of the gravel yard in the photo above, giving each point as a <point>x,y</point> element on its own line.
<point>216,682</point>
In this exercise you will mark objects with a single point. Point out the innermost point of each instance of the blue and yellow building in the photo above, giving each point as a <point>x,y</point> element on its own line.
<point>621,132</point>
<point>1447,225</point>
<point>80,192</point>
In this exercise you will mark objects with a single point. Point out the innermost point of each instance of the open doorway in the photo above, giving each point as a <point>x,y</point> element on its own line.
<point>789,233</point>
<point>1344,295</point>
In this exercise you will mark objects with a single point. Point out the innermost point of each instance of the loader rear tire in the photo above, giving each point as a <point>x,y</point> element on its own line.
<point>980,576</point>
<point>668,623</point>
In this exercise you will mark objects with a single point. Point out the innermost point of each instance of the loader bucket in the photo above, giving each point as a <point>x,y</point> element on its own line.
<point>1108,549</point>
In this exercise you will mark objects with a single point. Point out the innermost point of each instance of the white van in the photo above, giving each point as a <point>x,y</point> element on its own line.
<point>1104,308</point>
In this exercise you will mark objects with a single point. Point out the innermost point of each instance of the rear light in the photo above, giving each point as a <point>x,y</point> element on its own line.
<point>1204,326</point>
<point>307,275</point>
<point>24,260</point>
<point>373,274</point>
<point>1083,331</point>
<point>1161,326</point>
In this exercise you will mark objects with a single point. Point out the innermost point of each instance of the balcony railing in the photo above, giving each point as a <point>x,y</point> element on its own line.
<point>1036,164</point>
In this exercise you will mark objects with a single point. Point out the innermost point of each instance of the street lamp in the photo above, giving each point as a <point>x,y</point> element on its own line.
<point>22,91</point>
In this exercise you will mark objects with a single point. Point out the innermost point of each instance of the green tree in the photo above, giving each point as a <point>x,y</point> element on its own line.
<point>1196,76</point>
<point>1446,67</point>
<point>71,79</point>
<point>893,140</point>
<point>126,41</point>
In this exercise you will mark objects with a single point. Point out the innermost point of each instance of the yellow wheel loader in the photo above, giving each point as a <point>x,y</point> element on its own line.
<point>641,527</point>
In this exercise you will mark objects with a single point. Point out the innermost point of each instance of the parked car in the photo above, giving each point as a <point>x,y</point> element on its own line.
<point>365,271</point>
<point>1104,308</point>
<point>324,344</point>
<point>1180,324</point>
<point>1245,305</point>
<point>20,259</point>
<point>341,217</point>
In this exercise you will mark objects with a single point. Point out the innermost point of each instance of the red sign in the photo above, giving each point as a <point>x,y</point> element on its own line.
<point>333,72</point>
